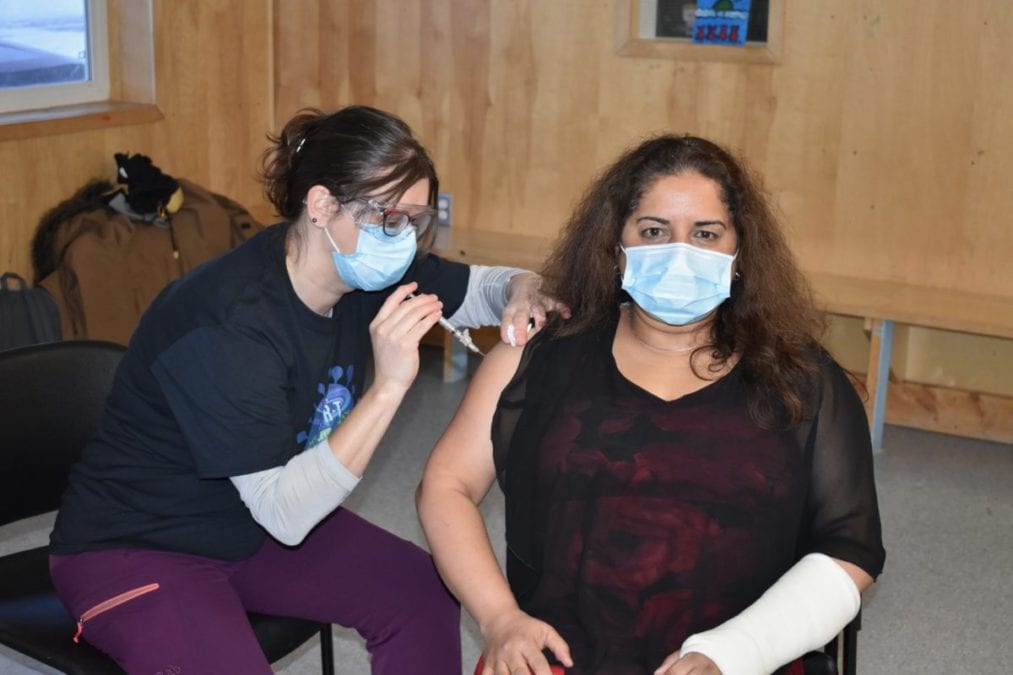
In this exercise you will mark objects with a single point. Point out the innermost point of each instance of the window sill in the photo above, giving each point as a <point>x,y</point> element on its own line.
<point>71,119</point>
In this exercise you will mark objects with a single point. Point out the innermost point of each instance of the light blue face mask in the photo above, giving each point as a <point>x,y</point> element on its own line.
<point>677,283</point>
<point>379,260</point>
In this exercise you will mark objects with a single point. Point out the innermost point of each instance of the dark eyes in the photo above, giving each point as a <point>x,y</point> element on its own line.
<point>651,233</point>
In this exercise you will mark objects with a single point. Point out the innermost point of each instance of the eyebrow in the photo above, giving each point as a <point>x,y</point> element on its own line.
<point>654,219</point>
<point>405,207</point>
<point>698,223</point>
<point>398,206</point>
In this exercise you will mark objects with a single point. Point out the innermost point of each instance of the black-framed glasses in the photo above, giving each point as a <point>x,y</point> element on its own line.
<point>395,220</point>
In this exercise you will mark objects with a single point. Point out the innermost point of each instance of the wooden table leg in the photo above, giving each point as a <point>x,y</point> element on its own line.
<point>455,359</point>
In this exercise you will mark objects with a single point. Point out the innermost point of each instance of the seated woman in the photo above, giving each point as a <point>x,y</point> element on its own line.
<point>241,418</point>
<point>688,474</point>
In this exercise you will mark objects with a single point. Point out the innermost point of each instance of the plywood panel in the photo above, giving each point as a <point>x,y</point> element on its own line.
<point>213,86</point>
<point>880,133</point>
<point>883,132</point>
<point>922,145</point>
<point>951,411</point>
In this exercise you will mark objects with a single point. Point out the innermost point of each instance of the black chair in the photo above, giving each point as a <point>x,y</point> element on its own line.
<point>51,397</point>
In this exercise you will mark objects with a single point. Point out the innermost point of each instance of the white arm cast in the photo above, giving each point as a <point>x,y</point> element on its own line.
<point>802,611</point>
<point>288,501</point>
<point>486,297</point>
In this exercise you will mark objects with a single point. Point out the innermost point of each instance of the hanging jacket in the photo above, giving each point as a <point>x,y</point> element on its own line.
<point>104,268</point>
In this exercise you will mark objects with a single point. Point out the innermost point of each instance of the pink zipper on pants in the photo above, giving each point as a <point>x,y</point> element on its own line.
<point>111,603</point>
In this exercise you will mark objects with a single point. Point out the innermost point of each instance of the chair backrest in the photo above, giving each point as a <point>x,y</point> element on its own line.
<point>51,398</point>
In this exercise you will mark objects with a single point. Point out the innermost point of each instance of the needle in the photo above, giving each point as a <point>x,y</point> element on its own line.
<point>460,334</point>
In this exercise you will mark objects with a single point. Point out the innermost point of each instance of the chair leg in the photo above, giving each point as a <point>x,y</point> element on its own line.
<point>850,652</point>
<point>850,645</point>
<point>831,648</point>
<point>326,650</point>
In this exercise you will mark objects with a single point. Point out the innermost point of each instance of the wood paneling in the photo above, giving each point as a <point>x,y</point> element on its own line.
<point>880,133</point>
<point>629,42</point>
<point>213,86</point>
<point>883,133</point>
<point>950,411</point>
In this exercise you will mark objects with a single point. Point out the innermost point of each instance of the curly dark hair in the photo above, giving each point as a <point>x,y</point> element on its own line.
<point>769,321</point>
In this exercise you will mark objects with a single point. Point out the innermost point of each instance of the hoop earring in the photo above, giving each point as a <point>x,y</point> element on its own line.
<point>738,275</point>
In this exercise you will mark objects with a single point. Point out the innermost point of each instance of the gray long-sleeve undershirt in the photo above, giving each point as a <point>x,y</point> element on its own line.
<point>288,501</point>
<point>486,297</point>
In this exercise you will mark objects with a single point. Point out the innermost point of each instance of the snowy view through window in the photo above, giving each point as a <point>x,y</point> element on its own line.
<point>43,42</point>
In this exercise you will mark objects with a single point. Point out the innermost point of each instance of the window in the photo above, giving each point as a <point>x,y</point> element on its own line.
<point>52,53</point>
<point>108,56</point>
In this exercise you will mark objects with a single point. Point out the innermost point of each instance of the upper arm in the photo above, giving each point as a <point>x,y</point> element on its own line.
<point>843,506</point>
<point>486,297</point>
<point>861,578</point>
<point>446,279</point>
<point>462,459</point>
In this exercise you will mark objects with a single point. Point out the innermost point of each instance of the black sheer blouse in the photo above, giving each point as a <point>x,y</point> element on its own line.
<point>633,522</point>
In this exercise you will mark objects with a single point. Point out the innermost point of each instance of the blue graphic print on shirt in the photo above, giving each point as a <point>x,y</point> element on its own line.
<point>336,402</point>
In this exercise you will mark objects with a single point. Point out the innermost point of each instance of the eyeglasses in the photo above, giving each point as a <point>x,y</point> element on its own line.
<point>395,220</point>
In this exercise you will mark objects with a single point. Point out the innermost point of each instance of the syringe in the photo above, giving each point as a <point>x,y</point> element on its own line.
<point>460,334</point>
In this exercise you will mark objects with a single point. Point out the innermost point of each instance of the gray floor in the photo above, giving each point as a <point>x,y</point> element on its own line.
<point>943,605</point>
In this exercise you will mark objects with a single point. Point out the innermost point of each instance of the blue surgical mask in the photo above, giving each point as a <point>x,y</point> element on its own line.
<point>677,283</point>
<point>379,260</point>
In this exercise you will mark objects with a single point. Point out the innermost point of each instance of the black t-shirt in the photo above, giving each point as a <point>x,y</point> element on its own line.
<point>228,373</point>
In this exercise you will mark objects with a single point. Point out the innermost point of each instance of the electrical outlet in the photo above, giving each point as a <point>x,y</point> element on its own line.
<point>444,206</point>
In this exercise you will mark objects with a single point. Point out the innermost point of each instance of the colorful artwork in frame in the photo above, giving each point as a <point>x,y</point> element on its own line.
<point>721,22</point>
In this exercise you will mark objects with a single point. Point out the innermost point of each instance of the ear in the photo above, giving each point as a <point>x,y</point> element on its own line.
<point>321,205</point>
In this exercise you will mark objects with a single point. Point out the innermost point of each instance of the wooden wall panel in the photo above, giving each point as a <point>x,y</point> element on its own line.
<point>883,134</point>
<point>213,85</point>
<point>922,143</point>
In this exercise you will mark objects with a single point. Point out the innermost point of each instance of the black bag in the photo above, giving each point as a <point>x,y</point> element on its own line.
<point>28,316</point>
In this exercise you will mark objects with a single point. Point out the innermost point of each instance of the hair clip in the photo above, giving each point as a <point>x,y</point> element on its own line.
<point>299,147</point>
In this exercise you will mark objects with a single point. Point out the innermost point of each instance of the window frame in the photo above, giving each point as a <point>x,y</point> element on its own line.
<point>95,88</point>
<point>131,71</point>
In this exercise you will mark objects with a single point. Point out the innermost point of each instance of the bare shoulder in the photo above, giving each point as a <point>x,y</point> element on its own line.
<point>499,366</point>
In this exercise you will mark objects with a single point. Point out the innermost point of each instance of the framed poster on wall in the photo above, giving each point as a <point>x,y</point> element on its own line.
<point>665,29</point>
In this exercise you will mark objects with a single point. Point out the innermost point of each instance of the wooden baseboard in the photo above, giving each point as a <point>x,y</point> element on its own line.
<point>945,410</point>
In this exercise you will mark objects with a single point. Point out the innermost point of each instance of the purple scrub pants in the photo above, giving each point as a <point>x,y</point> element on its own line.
<point>157,612</point>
